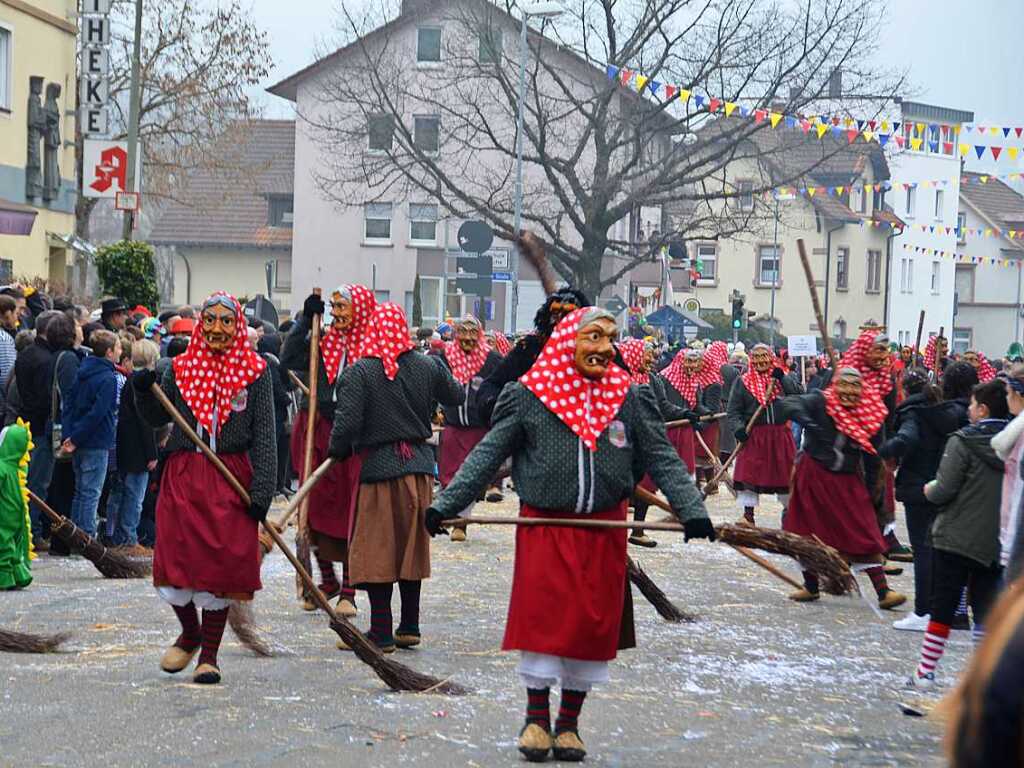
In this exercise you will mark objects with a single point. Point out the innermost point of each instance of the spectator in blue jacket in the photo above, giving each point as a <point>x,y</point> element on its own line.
<point>90,426</point>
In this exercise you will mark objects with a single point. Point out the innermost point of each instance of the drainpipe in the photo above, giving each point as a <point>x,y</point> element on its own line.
<point>828,274</point>
<point>888,266</point>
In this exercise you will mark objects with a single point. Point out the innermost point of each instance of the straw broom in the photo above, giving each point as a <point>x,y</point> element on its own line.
<point>396,676</point>
<point>668,610</point>
<point>112,565</point>
<point>23,642</point>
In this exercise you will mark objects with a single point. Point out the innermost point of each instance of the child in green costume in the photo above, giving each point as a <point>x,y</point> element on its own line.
<point>15,531</point>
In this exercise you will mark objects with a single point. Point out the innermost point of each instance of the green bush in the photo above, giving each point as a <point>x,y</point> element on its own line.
<point>126,269</point>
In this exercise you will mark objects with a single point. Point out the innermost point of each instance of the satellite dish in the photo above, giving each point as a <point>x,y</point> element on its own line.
<point>475,237</point>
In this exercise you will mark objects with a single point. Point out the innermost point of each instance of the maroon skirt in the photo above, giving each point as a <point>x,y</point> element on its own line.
<point>682,439</point>
<point>568,588</point>
<point>766,460</point>
<point>710,437</point>
<point>333,499</point>
<point>205,540</point>
<point>455,445</point>
<point>833,506</point>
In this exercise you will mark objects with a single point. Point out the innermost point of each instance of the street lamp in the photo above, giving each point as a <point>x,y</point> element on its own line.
<point>545,11</point>
<point>775,273</point>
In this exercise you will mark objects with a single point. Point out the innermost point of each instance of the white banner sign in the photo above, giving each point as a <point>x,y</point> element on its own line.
<point>802,346</point>
<point>104,167</point>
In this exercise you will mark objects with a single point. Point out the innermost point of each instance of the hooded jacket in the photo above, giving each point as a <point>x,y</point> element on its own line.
<point>967,491</point>
<point>90,411</point>
<point>922,429</point>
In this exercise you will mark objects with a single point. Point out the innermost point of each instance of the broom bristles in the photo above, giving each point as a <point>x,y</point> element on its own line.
<point>112,565</point>
<point>24,642</point>
<point>243,623</point>
<point>833,572</point>
<point>397,677</point>
<point>665,607</point>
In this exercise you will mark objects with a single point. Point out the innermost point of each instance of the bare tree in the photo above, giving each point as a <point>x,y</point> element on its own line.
<point>198,61</point>
<point>594,151</point>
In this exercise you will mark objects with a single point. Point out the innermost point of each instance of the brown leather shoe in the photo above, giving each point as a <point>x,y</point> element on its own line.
<point>569,747</point>
<point>346,608</point>
<point>176,659</point>
<point>534,743</point>
<point>206,674</point>
<point>458,534</point>
<point>891,600</point>
<point>804,595</point>
<point>405,640</point>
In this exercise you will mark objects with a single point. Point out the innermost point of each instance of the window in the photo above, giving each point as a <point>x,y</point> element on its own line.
<point>903,275</point>
<point>878,199</point>
<point>874,272</point>
<point>863,205</point>
<point>911,199</point>
<point>963,282</point>
<point>858,198</point>
<point>5,69</point>
<point>428,44</point>
<point>430,300</point>
<point>961,228</point>
<point>910,275</point>
<point>381,132</point>
<point>839,329</point>
<point>746,195</point>
<point>280,211</point>
<point>490,45</point>
<point>378,222</point>
<point>422,223</point>
<point>707,262</point>
<point>938,204</point>
<point>936,276</point>
<point>962,340</point>
<point>7,271</point>
<point>427,133</point>
<point>842,269</point>
<point>282,275</point>
<point>769,265</point>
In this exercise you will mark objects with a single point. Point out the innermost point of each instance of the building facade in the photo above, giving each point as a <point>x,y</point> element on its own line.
<point>925,194</point>
<point>37,130</point>
<point>988,295</point>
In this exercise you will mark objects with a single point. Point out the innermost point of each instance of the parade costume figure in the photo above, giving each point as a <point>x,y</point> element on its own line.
<point>870,354</point>
<point>639,359</point>
<point>980,363</point>
<point>385,402</point>
<point>938,348</point>
<point>332,501</point>
<point>830,500</point>
<point>578,434</point>
<point>470,359</point>
<point>16,551</point>
<point>766,459</point>
<point>207,548</point>
<point>679,397</point>
<point>712,385</point>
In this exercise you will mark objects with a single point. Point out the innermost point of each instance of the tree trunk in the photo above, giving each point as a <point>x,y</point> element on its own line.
<point>587,271</point>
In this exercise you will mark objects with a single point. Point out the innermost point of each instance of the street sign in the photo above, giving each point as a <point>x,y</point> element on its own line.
<point>475,236</point>
<point>104,168</point>
<point>94,82</point>
<point>615,305</point>
<point>502,277</point>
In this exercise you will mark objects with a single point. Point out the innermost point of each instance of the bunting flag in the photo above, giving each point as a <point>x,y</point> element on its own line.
<point>918,134</point>
<point>963,258</point>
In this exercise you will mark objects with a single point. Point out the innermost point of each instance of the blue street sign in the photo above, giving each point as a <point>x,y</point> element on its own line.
<point>502,277</point>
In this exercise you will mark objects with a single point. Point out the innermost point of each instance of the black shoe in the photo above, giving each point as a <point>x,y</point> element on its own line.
<point>961,621</point>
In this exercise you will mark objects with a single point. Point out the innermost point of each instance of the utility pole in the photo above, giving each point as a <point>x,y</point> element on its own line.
<point>133,120</point>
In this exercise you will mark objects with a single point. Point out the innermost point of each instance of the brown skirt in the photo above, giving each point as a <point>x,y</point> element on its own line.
<point>389,542</point>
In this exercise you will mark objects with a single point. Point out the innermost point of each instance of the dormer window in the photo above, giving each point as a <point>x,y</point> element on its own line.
<point>280,211</point>
<point>428,45</point>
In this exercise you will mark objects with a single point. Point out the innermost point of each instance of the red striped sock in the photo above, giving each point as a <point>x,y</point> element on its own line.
<point>932,647</point>
<point>569,710</point>
<point>877,576</point>
<point>328,580</point>
<point>213,631</point>
<point>381,621</point>
<point>538,707</point>
<point>346,585</point>
<point>190,636</point>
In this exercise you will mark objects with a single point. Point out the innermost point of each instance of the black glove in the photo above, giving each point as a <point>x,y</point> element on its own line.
<point>741,435</point>
<point>433,522</point>
<point>778,374</point>
<point>258,512</point>
<point>143,380</point>
<point>691,416</point>
<point>699,528</point>
<point>337,452</point>
<point>313,305</point>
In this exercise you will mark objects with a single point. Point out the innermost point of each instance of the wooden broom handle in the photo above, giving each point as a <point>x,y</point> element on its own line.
<point>703,419</point>
<point>818,314</point>
<point>937,362</point>
<point>917,342</point>
<point>298,383</point>
<point>314,375</point>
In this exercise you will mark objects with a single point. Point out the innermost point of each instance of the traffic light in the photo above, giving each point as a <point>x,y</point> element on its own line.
<point>737,312</point>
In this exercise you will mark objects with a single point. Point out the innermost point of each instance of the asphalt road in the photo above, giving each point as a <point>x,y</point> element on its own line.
<point>756,680</point>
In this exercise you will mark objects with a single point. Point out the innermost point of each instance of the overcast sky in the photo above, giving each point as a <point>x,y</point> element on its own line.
<point>963,55</point>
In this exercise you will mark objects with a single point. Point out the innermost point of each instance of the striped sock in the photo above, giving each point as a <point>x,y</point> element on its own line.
<point>877,576</point>
<point>346,585</point>
<point>213,631</point>
<point>381,621</point>
<point>961,608</point>
<point>328,580</point>
<point>409,619</point>
<point>190,636</point>
<point>977,634</point>
<point>538,707</point>
<point>569,710</point>
<point>932,647</point>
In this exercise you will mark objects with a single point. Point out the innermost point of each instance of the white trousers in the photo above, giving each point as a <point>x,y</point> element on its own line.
<point>542,670</point>
<point>750,499</point>
<point>182,597</point>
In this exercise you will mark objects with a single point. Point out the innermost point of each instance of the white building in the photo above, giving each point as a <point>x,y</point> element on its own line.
<point>926,185</point>
<point>989,296</point>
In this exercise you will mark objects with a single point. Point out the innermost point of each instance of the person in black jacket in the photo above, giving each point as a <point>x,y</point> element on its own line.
<point>922,424</point>
<point>269,347</point>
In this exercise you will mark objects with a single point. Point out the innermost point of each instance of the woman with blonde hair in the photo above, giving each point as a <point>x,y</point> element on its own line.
<point>983,714</point>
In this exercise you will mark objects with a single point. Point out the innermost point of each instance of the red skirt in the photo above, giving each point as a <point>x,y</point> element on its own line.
<point>766,460</point>
<point>455,445</point>
<point>205,540</point>
<point>710,437</point>
<point>682,439</point>
<point>333,499</point>
<point>833,506</point>
<point>568,588</point>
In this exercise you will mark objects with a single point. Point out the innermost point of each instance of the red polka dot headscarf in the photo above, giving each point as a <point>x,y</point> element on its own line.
<point>501,343</point>
<point>859,424</point>
<point>388,337</point>
<point>210,383</point>
<point>583,405</point>
<point>880,379</point>
<point>632,351</point>
<point>465,367</point>
<point>337,345</point>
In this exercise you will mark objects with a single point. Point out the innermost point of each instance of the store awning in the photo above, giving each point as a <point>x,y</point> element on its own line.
<point>71,241</point>
<point>15,218</point>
